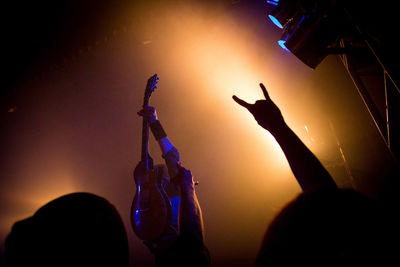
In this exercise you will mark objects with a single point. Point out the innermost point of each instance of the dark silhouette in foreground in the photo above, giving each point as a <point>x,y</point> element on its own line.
<point>79,229</point>
<point>324,225</point>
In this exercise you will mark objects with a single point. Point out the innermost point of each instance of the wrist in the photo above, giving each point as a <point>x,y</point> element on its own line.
<point>157,130</point>
<point>279,129</point>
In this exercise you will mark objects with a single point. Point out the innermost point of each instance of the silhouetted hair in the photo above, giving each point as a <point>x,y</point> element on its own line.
<point>78,229</point>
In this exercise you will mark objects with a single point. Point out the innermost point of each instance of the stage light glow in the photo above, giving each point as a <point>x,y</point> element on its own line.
<point>27,198</point>
<point>273,2</point>
<point>275,21</point>
<point>56,186</point>
<point>282,44</point>
<point>226,67</point>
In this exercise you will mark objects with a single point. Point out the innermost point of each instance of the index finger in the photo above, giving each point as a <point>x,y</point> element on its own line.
<point>265,92</point>
<point>241,102</point>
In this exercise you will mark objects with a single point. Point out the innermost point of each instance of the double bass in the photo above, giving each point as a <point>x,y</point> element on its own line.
<point>151,208</point>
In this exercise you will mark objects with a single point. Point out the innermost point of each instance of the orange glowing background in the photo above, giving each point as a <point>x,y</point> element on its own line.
<point>75,128</point>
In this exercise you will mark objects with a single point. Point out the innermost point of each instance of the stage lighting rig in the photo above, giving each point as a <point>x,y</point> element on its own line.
<point>314,29</point>
<point>283,12</point>
<point>310,28</point>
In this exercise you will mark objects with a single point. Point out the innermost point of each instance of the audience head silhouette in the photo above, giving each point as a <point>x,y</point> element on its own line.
<point>79,229</point>
<point>332,227</point>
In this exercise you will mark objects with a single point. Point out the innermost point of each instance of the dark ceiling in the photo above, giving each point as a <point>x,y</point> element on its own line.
<point>36,31</point>
<point>39,31</point>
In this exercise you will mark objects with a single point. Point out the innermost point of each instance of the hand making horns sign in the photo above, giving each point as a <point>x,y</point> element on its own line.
<point>266,113</point>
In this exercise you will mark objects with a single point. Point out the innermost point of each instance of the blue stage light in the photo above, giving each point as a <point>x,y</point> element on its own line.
<point>273,2</point>
<point>282,44</point>
<point>275,21</point>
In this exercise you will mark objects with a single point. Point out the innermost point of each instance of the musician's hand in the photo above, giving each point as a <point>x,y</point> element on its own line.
<point>149,113</point>
<point>266,113</point>
<point>184,178</point>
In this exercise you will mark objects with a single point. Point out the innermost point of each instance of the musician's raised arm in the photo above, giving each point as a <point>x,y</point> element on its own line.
<point>187,248</point>
<point>169,152</point>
